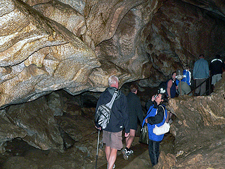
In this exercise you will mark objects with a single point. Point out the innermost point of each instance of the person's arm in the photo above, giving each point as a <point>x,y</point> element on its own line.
<point>169,85</point>
<point>207,69</point>
<point>194,71</point>
<point>158,117</point>
<point>177,83</point>
<point>150,103</point>
<point>210,68</point>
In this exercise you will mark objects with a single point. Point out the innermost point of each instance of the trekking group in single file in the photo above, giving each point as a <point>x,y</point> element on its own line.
<point>116,112</point>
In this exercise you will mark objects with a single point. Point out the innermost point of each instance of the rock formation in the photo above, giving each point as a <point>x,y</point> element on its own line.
<point>199,129</point>
<point>75,45</point>
<point>48,45</point>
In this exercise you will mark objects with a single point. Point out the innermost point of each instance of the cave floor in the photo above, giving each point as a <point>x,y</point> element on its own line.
<point>121,163</point>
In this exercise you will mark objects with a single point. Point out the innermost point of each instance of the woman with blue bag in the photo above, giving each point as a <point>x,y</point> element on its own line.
<point>156,116</point>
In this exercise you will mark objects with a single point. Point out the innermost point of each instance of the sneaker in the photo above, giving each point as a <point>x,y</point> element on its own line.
<point>129,152</point>
<point>125,154</point>
<point>114,166</point>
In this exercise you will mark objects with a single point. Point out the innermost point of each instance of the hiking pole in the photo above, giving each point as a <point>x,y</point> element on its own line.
<point>97,150</point>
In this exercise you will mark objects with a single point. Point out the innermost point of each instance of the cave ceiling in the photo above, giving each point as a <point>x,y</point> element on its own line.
<point>75,45</point>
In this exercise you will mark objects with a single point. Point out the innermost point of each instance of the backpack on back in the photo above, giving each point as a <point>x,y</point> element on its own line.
<point>102,115</point>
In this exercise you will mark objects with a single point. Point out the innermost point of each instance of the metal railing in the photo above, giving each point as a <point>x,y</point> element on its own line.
<point>208,87</point>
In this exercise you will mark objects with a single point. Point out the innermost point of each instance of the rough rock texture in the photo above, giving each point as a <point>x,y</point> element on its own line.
<point>199,129</point>
<point>65,15</point>
<point>8,130</point>
<point>38,122</point>
<point>32,136</point>
<point>38,55</point>
<point>216,6</point>
<point>77,45</point>
<point>198,140</point>
<point>177,34</point>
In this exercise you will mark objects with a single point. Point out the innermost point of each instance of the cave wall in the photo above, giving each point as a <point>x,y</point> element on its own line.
<point>47,45</point>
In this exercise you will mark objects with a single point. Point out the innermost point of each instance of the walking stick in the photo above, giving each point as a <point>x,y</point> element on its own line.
<point>97,150</point>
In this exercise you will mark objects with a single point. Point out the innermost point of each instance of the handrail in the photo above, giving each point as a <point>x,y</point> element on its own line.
<point>209,78</point>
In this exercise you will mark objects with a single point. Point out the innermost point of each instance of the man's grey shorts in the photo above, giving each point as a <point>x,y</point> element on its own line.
<point>113,139</point>
<point>216,78</point>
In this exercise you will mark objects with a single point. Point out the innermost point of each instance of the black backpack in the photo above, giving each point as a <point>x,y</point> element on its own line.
<point>102,115</point>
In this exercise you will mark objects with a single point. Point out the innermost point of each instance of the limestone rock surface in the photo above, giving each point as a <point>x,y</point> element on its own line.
<point>39,55</point>
<point>199,129</point>
<point>47,45</point>
<point>75,45</point>
<point>38,121</point>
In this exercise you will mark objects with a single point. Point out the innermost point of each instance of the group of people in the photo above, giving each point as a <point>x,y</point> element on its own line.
<point>175,87</point>
<point>127,110</point>
<point>125,113</point>
<point>201,71</point>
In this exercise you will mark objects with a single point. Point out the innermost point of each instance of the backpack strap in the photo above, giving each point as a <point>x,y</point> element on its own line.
<point>163,111</point>
<point>110,104</point>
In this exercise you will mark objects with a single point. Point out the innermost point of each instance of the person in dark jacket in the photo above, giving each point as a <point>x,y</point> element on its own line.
<point>156,116</point>
<point>135,114</point>
<point>216,69</point>
<point>112,134</point>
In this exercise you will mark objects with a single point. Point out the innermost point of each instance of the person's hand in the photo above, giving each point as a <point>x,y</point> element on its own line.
<point>153,97</point>
<point>146,120</point>
<point>98,128</point>
<point>127,134</point>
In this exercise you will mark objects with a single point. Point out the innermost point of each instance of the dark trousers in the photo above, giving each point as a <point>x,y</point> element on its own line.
<point>153,148</point>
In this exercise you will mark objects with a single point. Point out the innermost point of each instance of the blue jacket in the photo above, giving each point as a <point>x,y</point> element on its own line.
<point>187,77</point>
<point>201,69</point>
<point>155,116</point>
<point>119,113</point>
